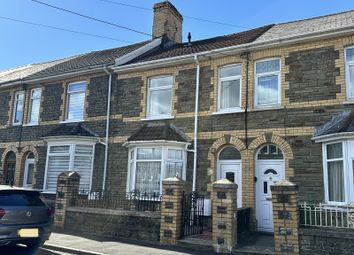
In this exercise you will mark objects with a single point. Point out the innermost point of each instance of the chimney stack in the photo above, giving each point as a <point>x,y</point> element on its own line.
<point>167,21</point>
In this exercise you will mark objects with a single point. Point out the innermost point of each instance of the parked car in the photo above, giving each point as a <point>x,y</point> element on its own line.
<point>25,217</point>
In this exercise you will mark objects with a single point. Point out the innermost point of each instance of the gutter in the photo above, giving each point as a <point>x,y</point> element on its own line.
<point>255,45</point>
<point>196,109</point>
<point>107,128</point>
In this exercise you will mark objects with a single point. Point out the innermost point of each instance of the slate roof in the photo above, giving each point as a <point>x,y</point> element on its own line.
<point>166,132</point>
<point>219,42</point>
<point>307,26</point>
<point>344,122</point>
<point>70,64</point>
<point>71,129</point>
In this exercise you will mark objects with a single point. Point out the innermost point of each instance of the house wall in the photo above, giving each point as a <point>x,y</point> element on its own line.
<point>312,90</point>
<point>52,112</point>
<point>318,240</point>
<point>142,226</point>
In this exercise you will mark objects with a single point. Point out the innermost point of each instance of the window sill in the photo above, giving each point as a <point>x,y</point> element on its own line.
<point>16,124</point>
<point>31,124</point>
<point>349,101</point>
<point>158,118</point>
<point>266,108</point>
<point>228,112</point>
<point>71,121</point>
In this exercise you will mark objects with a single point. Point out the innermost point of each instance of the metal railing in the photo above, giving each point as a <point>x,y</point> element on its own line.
<point>135,201</point>
<point>324,215</point>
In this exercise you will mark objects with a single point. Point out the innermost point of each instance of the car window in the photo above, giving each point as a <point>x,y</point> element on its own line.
<point>20,198</point>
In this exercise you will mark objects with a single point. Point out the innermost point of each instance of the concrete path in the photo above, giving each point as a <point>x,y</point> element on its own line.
<point>87,246</point>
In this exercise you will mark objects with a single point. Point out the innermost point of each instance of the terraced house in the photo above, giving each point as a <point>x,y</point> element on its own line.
<point>254,107</point>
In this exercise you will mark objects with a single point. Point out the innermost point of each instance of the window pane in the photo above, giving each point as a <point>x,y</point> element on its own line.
<point>174,169</point>
<point>148,176</point>
<point>30,173</point>
<point>160,102</point>
<point>268,66</point>
<point>267,90</point>
<point>351,81</point>
<point>77,87</point>
<point>334,151</point>
<point>56,165</point>
<point>161,82</point>
<point>350,54</point>
<point>83,165</point>
<point>59,149</point>
<point>36,93</point>
<point>76,106</point>
<point>18,108</point>
<point>230,71</point>
<point>175,154</point>
<point>149,153</point>
<point>229,153</point>
<point>34,111</point>
<point>84,149</point>
<point>270,151</point>
<point>230,94</point>
<point>335,181</point>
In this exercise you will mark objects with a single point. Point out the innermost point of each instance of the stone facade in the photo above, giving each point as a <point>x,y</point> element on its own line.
<point>289,126</point>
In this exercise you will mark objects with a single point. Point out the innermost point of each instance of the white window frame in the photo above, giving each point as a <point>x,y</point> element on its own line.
<point>347,76</point>
<point>164,159</point>
<point>257,76</point>
<point>71,154</point>
<point>347,172</point>
<point>167,87</point>
<point>14,110</point>
<point>32,98</point>
<point>230,78</point>
<point>68,93</point>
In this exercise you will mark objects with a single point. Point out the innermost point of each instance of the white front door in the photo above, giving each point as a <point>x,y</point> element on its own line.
<point>231,170</point>
<point>267,172</point>
<point>29,173</point>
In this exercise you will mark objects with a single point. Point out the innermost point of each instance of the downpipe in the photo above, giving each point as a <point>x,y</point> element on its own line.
<point>195,150</point>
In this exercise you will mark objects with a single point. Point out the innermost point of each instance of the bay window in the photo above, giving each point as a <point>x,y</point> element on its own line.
<point>160,97</point>
<point>338,171</point>
<point>349,62</point>
<point>76,157</point>
<point>229,88</point>
<point>76,101</point>
<point>18,107</point>
<point>267,82</point>
<point>148,166</point>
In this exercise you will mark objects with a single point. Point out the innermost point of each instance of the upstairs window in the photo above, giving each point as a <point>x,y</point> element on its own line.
<point>267,83</point>
<point>229,88</point>
<point>35,102</point>
<point>18,107</point>
<point>76,101</point>
<point>160,97</point>
<point>349,61</point>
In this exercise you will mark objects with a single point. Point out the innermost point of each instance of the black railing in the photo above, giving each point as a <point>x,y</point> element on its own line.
<point>192,214</point>
<point>135,201</point>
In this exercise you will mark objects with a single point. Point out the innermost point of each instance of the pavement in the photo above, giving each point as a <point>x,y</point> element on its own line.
<point>66,243</point>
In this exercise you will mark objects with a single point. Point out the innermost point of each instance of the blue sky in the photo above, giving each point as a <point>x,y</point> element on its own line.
<point>23,44</point>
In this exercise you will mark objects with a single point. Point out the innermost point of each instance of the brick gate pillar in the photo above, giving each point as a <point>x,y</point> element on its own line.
<point>171,210</point>
<point>286,217</point>
<point>224,209</point>
<point>67,190</point>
